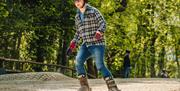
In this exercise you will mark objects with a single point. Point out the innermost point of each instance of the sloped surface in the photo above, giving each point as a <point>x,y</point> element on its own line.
<point>34,76</point>
<point>58,82</point>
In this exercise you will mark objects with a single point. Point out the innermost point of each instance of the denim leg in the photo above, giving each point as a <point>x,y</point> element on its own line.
<point>98,55</point>
<point>127,72</point>
<point>81,57</point>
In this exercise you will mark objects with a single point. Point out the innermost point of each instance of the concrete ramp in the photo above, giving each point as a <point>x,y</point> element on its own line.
<point>35,76</point>
<point>58,82</point>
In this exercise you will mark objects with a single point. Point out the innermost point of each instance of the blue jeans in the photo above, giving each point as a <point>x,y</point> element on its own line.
<point>97,53</point>
<point>127,72</point>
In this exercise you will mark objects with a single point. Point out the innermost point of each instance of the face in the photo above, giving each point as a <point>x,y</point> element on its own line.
<point>79,3</point>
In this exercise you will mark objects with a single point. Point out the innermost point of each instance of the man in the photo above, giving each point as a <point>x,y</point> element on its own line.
<point>164,74</point>
<point>90,26</point>
<point>127,64</point>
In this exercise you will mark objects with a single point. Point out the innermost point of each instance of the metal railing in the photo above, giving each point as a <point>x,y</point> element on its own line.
<point>17,66</point>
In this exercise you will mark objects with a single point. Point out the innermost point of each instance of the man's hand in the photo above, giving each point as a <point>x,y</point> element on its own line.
<point>98,35</point>
<point>71,47</point>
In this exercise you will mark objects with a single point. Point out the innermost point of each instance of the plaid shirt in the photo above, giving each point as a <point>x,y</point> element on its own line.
<point>93,21</point>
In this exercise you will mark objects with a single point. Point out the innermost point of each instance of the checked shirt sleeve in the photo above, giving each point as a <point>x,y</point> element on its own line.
<point>77,34</point>
<point>101,21</point>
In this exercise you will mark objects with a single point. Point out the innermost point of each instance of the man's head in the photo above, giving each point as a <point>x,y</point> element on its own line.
<point>80,3</point>
<point>128,51</point>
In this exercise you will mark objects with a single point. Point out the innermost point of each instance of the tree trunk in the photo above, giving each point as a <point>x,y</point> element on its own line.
<point>161,61</point>
<point>152,56</point>
<point>40,51</point>
<point>18,45</point>
<point>143,69</point>
<point>40,58</point>
<point>59,52</point>
<point>17,65</point>
<point>63,51</point>
<point>65,26</point>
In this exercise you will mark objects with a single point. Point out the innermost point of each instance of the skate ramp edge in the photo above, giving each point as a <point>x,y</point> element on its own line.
<point>35,76</point>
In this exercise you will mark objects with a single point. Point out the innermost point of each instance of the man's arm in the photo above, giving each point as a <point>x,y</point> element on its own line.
<point>77,34</point>
<point>76,37</point>
<point>74,41</point>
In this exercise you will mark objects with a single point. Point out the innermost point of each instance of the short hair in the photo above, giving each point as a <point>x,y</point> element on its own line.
<point>127,51</point>
<point>86,1</point>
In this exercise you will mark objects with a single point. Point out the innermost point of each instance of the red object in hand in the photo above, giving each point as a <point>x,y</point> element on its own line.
<point>71,48</point>
<point>72,45</point>
<point>98,35</point>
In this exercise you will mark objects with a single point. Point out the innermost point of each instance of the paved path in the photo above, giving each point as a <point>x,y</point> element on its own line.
<point>64,83</point>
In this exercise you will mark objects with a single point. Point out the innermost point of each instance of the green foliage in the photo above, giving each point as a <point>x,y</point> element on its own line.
<point>3,10</point>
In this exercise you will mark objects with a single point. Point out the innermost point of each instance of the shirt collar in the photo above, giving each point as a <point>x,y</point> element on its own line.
<point>87,7</point>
